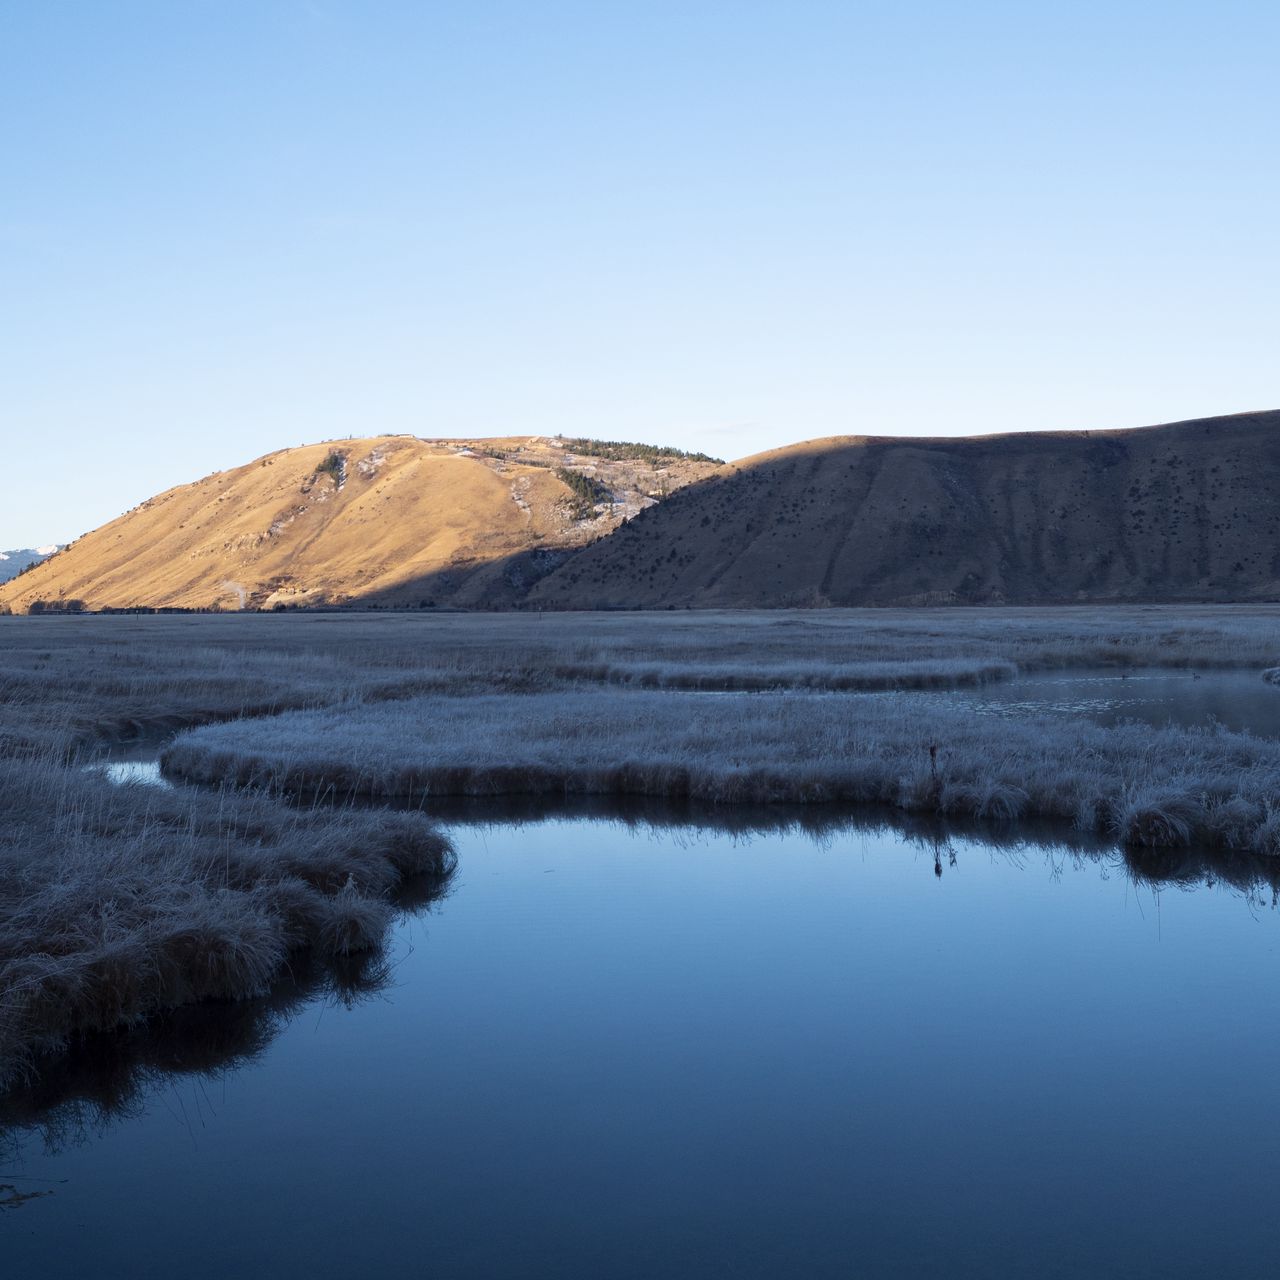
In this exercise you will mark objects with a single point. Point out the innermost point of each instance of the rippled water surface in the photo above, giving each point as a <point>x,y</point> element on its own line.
<point>638,1051</point>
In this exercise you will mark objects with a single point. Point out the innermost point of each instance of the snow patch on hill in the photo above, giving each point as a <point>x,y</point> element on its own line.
<point>13,562</point>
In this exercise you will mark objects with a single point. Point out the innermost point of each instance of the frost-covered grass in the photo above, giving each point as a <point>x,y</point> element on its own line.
<point>109,677</point>
<point>867,675</point>
<point>117,902</point>
<point>1148,787</point>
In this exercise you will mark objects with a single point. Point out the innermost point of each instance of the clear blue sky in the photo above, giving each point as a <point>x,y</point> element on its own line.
<point>226,227</point>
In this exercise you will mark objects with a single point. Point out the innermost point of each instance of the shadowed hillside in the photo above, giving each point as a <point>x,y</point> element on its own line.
<point>391,519</point>
<point>1189,511</point>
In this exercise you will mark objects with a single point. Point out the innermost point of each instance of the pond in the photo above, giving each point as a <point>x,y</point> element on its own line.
<point>637,1050</point>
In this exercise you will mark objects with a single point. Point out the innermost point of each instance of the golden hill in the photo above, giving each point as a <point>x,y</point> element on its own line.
<point>389,519</point>
<point>1182,512</point>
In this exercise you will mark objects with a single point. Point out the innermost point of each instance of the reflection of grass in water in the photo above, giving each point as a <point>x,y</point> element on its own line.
<point>70,1097</point>
<point>12,1198</point>
<point>1253,875</point>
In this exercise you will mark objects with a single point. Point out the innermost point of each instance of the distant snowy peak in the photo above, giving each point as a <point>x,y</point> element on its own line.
<point>13,563</point>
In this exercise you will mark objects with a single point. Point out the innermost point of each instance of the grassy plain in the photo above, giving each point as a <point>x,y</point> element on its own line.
<point>117,903</point>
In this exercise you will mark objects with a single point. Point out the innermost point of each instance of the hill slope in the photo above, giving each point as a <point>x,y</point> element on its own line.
<point>1187,511</point>
<point>389,519</point>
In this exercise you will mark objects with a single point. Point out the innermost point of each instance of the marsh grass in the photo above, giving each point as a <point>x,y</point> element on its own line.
<point>1171,787</point>
<point>862,676</point>
<point>103,678</point>
<point>117,902</point>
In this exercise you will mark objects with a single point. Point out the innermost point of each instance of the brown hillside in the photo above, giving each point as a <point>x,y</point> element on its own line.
<point>397,520</point>
<point>1188,511</point>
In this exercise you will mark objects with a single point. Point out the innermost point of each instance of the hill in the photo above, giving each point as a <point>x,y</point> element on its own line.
<point>1186,511</point>
<point>1182,512</point>
<point>389,519</point>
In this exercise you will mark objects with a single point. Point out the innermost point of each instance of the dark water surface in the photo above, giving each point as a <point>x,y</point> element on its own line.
<point>640,1052</point>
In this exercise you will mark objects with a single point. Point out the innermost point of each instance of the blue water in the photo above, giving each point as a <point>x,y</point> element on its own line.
<point>629,1052</point>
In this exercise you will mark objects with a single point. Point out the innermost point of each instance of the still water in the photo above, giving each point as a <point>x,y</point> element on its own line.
<point>633,1051</point>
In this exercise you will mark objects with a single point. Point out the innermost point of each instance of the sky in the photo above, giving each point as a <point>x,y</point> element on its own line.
<point>231,226</point>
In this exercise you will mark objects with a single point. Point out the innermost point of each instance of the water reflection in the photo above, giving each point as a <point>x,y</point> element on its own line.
<point>74,1096</point>
<point>109,1077</point>
<point>143,772</point>
<point>933,834</point>
<point>106,1078</point>
<point>648,1040</point>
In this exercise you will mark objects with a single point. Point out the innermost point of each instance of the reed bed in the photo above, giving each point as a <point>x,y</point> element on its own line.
<point>117,902</point>
<point>1171,787</point>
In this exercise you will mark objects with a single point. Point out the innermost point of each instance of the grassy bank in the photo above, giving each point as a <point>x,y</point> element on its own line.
<point>1145,787</point>
<point>117,902</point>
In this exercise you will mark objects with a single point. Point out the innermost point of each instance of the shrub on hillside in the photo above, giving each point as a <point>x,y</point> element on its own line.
<point>623,451</point>
<point>586,490</point>
<point>334,465</point>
